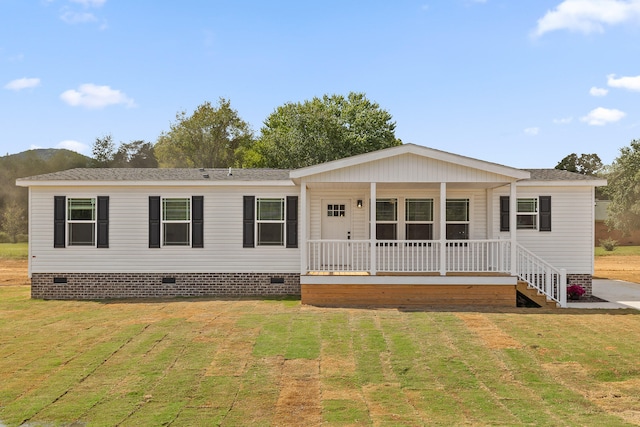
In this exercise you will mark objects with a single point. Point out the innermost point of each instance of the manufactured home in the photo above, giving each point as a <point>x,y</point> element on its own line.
<point>403,226</point>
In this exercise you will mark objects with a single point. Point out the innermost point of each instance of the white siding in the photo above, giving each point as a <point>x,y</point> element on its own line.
<point>360,217</point>
<point>408,168</point>
<point>128,234</point>
<point>569,244</point>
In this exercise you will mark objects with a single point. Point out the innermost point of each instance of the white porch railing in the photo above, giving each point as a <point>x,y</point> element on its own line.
<point>338,256</point>
<point>409,256</point>
<point>426,256</point>
<point>541,275</point>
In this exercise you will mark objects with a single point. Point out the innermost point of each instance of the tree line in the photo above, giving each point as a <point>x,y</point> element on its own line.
<point>294,135</point>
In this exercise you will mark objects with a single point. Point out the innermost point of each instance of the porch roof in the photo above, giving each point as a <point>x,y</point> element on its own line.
<point>451,160</point>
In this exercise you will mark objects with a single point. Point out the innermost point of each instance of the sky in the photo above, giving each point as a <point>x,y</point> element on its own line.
<point>517,82</point>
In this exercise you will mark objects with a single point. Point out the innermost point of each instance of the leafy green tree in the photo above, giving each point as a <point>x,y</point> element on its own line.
<point>623,188</point>
<point>14,221</point>
<point>136,154</point>
<point>103,151</point>
<point>210,137</point>
<point>322,129</point>
<point>585,164</point>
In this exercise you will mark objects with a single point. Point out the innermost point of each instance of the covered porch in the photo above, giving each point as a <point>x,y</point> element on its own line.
<point>411,229</point>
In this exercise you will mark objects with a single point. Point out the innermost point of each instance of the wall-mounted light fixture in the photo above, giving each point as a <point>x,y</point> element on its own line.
<point>359,204</point>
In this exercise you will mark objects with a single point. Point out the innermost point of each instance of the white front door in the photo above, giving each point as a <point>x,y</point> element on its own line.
<point>336,225</point>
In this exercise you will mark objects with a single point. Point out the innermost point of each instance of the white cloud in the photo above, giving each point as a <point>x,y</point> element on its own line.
<point>588,16</point>
<point>532,131</point>
<point>23,83</point>
<point>563,121</point>
<point>601,116</point>
<point>598,91</point>
<point>630,83</point>
<point>94,96</point>
<point>90,3</point>
<point>72,145</point>
<point>71,17</point>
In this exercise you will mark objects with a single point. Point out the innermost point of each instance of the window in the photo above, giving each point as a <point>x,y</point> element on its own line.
<point>81,221</point>
<point>386,219</point>
<point>176,222</point>
<point>270,220</point>
<point>457,222</point>
<point>419,219</point>
<point>527,218</point>
<point>336,210</point>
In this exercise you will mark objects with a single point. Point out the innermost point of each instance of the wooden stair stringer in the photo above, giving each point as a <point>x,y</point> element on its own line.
<point>534,295</point>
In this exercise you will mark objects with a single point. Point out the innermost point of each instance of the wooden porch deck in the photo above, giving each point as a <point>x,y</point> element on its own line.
<point>406,290</point>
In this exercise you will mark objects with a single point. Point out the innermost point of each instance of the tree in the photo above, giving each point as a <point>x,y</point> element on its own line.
<point>103,151</point>
<point>623,189</point>
<point>585,164</point>
<point>322,129</point>
<point>13,221</point>
<point>136,154</point>
<point>211,137</point>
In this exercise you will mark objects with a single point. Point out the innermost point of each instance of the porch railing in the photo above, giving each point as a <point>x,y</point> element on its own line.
<point>409,256</point>
<point>541,275</point>
<point>338,256</point>
<point>426,256</point>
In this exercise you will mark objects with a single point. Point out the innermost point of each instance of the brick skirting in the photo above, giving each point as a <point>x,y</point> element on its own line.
<point>584,280</point>
<point>81,286</point>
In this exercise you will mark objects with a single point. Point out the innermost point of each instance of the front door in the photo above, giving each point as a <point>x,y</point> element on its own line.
<point>336,225</point>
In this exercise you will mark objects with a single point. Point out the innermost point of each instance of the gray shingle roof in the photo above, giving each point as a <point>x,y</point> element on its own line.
<point>194,174</point>
<point>558,175</point>
<point>162,174</point>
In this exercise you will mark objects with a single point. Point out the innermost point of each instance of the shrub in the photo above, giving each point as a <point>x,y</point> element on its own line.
<point>608,244</point>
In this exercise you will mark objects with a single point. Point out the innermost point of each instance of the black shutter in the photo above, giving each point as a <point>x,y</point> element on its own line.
<point>103,221</point>
<point>197,222</point>
<point>248,218</point>
<point>59,219</point>
<point>154,221</point>
<point>545,213</point>
<point>292,221</point>
<point>504,213</point>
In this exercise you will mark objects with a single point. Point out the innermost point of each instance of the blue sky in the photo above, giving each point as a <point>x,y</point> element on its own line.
<point>517,82</point>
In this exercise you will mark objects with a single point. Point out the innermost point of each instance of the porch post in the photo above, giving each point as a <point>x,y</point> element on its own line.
<point>513,225</point>
<point>372,228</point>
<point>443,228</point>
<point>302,228</point>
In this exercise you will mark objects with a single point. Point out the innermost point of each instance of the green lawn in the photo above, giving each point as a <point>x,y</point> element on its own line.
<point>14,250</point>
<point>210,362</point>
<point>620,250</point>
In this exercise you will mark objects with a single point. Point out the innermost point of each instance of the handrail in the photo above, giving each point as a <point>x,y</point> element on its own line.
<point>541,275</point>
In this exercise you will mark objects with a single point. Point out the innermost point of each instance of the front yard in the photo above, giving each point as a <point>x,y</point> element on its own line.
<point>250,362</point>
<point>212,362</point>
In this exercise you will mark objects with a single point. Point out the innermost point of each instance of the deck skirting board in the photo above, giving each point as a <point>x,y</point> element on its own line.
<point>408,295</point>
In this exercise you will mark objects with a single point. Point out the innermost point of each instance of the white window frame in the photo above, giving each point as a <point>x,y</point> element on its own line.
<point>281,221</point>
<point>406,213</point>
<point>533,214</point>
<point>453,222</point>
<point>70,222</point>
<point>393,201</point>
<point>165,221</point>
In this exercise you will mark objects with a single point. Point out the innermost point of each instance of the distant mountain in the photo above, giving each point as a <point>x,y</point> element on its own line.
<point>46,154</point>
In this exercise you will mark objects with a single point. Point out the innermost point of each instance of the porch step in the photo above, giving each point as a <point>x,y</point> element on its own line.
<point>534,295</point>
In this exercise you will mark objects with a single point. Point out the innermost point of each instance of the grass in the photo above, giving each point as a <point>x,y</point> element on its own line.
<point>14,250</point>
<point>619,251</point>
<point>209,362</point>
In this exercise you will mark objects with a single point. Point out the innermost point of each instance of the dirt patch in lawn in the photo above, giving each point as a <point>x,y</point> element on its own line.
<point>489,333</point>
<point>299,400</point>
<point>13,272</point>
